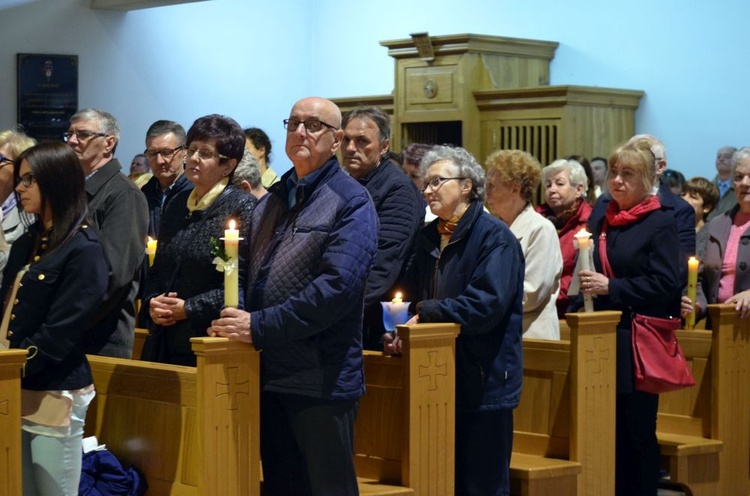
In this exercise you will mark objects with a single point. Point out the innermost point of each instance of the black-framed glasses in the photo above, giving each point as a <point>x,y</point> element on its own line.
<point>204,154</point>
<point>164,153</point>
<point>5,160</point>
<point>435,182</point>
<point>82,135</point>
<point>311,125</point>
<point>27,179</point>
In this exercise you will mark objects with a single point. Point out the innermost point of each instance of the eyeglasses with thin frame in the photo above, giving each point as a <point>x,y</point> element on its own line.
<point>164,153</point>
<point>311,125</point>
<point>82,135</point>
<point>436,182</point>
<point>27,179</point>
<point>5,161</point>
<point>204,154</point>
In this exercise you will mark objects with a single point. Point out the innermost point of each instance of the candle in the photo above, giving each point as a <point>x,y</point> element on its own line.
<point>151,250</point>
<point>395,312</point>
<point>231,272</point>
<point>584,244</point>
<point>692,289</point>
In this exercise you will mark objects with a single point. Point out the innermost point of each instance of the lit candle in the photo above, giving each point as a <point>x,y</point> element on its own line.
<point>395,312</point>
<point>231,272</point>
<point>584,244</point>
<point>692,290</point>
<point>151,250</point>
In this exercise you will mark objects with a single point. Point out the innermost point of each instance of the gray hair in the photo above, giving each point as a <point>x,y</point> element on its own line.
<point>741,155</point>
<point>466,163</point>
<point>576,171</point>
<point>247,170</point>
<point>161,128</point>
<point>657,147</point>
<point>107,122</point>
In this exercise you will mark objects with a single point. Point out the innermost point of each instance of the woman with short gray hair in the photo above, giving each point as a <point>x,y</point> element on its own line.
<point>468,167</point>
<point>565,185</point>
<point>468,268</point>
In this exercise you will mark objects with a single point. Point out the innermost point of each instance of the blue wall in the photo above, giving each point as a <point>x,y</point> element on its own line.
<point>252,59</point>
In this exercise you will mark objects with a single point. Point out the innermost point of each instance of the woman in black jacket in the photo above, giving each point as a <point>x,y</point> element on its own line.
<point>185,291</point>
<point>640,274</point>
<point>54,281</point>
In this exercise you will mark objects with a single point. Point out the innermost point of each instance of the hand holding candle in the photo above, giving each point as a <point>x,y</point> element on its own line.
<point>231,272</point>
<point>151,250</point>
<point>692,290</point>
<point>584,245</point>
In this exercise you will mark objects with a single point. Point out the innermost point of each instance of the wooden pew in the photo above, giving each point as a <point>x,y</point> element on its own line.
<point>404,438</point>
<point>11,362</point>
<point>563,441</point>
<point>413,394</point>
<point>704,432</point>
<point>189,430</point>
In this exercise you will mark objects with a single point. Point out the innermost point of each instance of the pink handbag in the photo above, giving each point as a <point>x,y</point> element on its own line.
<point>658,361</point>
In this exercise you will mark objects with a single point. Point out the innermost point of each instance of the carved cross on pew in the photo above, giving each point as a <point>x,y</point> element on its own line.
<point>597,355</point>
<point>433,370</point>
<point>232,388</point>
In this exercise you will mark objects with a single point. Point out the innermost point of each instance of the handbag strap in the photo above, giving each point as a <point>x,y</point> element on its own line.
<point>606,267</point>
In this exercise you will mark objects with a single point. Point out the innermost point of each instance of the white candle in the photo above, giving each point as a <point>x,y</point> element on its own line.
<point>584,244</point>
<point>231,273</point>
<point>395,312</point>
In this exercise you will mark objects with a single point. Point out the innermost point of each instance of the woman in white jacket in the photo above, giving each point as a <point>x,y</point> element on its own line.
<point>512,178</point>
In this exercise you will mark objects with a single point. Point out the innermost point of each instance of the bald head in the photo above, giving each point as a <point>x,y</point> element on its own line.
<point>313,134</point>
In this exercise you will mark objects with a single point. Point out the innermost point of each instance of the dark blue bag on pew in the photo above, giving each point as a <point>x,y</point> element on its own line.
<point>103,475</point>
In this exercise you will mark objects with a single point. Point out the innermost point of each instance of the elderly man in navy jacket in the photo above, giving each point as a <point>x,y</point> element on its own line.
<point>313,241</point>
<point>397,201</point>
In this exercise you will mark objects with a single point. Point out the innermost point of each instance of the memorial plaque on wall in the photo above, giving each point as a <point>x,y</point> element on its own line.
<point>47,94</point>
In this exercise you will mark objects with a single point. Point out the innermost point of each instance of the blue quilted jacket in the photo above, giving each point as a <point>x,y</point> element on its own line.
<point>308,269</point>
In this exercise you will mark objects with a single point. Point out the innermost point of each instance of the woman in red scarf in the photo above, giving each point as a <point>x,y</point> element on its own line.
<point>565,185</point>
<point>640,273</point>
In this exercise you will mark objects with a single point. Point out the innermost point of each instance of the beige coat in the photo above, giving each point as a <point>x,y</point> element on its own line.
<point>541,282</point>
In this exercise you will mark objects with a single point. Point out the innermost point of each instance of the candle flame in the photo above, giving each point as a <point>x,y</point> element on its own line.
<point>583,233</point>
<point>232,224</point>
<point>398,296</point>
<point>150,239</point>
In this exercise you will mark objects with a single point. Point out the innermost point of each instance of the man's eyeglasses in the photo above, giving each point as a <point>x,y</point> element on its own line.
<point>435,182</point>
<point>164,153</point>
<point>27,179</point>
<point>82,135</point>
<point>311,125</point>
<point>5,160</point>
<point>204,154</point>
